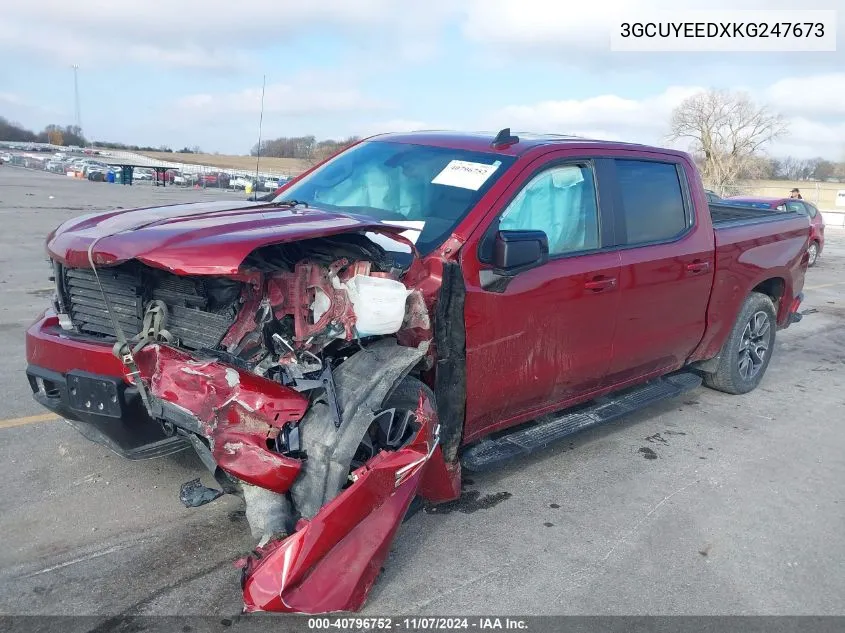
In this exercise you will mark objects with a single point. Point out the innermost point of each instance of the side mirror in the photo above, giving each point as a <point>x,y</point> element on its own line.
<point>516,250</point>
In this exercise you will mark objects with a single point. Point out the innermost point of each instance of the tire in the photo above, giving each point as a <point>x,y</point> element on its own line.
<point>407,394</point>
<point>741,364</point>
<point>394,431</point>
<point>813,252</point>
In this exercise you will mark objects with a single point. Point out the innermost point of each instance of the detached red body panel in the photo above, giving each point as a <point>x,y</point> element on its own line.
<point>331,561</point>
<point>239,411</point>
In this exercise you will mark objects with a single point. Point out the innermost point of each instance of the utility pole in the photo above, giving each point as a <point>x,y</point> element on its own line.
<point>77,113</point>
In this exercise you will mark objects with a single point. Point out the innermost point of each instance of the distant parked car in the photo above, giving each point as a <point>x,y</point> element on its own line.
<point>141,173</point>
<point>240,183</point>
<point>814,249</point>
<point>214,179</point>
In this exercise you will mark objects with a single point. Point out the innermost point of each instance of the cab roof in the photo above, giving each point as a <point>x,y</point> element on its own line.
<point>483,141</point>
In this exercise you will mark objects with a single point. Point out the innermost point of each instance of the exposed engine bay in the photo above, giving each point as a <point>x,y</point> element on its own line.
<point>291,380</point>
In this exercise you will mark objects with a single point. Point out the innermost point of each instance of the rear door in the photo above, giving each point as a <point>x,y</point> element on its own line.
<point>667,267</point>
<point>545,334</point>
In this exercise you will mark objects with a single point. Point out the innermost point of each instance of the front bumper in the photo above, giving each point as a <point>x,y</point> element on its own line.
<point>236,411</point>
<point>133,435</point>
<point>124,426</point>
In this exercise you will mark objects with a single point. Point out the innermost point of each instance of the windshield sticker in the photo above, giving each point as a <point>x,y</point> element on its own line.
<point>464,174</point>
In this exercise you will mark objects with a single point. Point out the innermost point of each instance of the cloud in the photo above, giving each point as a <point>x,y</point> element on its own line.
<point>12,99</point>
<point>646,120</point>
<point>565,25</point>
<point>812,94</point>
<point>212,34</point>
<point>298,98</point>
<point>809,139</point>
<point>393,125</point>
<point>15,104</point>
<point>578,33</point>
<point>607,116</point>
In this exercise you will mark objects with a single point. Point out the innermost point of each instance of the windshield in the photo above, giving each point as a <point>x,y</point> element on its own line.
<point>432,187</point>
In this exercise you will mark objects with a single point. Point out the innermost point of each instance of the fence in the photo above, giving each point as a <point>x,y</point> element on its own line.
<point>182,174</point>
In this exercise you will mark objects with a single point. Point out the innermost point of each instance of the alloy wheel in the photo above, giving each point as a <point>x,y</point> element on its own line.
<point>754,345</point>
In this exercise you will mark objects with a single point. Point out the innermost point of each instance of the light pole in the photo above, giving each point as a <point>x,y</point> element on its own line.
<point>77,113</point>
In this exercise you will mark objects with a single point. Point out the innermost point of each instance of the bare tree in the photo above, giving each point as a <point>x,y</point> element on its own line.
<point>728,131</point>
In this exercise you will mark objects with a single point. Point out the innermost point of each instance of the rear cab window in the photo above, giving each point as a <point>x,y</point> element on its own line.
<point>654,206</point>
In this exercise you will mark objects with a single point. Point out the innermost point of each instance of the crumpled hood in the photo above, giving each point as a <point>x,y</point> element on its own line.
<point>203,238</point>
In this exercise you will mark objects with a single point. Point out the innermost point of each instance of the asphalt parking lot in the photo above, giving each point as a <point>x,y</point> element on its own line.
<point>739,510</point>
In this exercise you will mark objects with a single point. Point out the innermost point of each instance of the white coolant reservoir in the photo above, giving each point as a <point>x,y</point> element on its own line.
<point>378,303</point>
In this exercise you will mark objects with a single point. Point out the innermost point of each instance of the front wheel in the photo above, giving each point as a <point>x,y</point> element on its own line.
<point>748,350</point>
<point>812,253</point>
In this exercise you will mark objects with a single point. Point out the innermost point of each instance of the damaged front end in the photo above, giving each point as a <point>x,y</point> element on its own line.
<point>295,379</point>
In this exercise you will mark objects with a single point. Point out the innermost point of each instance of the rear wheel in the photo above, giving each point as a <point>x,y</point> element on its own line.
<point>748,350</point>
<point>813,253</point>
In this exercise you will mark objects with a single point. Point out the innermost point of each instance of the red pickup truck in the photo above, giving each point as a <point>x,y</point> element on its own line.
<point>416,304</point>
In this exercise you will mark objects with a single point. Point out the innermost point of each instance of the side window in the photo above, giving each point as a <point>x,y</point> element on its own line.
<point>560,201</point>
<point>812,211</point>
<point>796,207</point>
<point>780,207</point>
<point>652,199</point>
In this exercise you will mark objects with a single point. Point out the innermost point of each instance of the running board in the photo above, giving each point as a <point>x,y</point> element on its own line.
<point>549,429</point>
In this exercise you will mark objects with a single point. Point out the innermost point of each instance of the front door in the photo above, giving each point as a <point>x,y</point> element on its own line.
<point>545,334</point>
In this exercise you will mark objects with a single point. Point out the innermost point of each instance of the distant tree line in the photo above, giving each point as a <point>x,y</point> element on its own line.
<point>790,168</point>
<point>130,148</point>
<point>302,147</point>
<point>57,134</point>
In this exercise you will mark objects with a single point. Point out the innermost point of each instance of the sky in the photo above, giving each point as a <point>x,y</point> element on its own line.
<point>189,73</point>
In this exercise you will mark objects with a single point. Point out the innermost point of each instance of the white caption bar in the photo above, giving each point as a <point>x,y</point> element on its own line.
<point>725,31</point>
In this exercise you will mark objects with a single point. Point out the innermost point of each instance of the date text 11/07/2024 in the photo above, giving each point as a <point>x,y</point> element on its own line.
<point>418,624</point>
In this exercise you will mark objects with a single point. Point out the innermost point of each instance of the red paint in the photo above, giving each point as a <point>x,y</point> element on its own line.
<point>179,238</point>
<point>209,387</point>
<point>816,223</point>
<point>239,412</point>
<point>331,562</point>
<point>240,448</point>
<point>50,347</point>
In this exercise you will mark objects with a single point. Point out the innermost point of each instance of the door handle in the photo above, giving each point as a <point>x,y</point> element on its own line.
<point>698,267</point>
<point>597,285</point>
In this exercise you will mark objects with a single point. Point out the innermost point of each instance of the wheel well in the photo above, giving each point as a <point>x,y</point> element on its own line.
<point>773,288</point>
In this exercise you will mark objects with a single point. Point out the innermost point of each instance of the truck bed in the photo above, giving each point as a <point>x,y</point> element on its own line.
<point>724,214</point>
<point>753,245</point>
